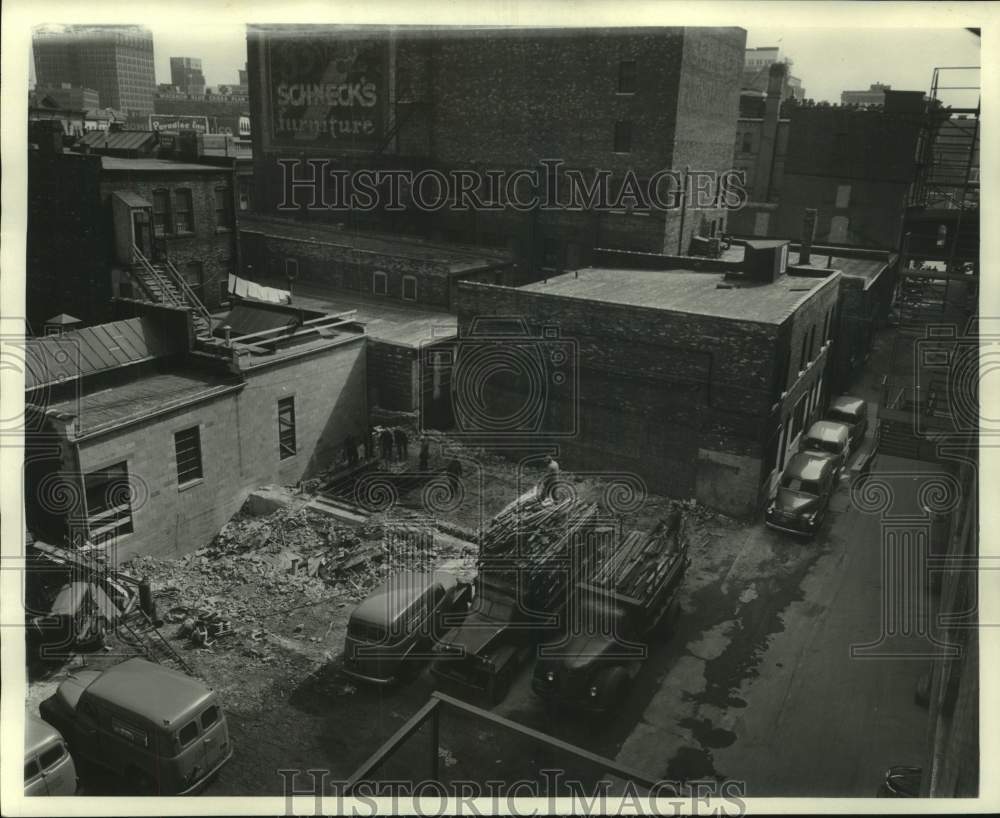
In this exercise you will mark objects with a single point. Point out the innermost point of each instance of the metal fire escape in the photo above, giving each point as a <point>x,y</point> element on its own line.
<point>937,287</point>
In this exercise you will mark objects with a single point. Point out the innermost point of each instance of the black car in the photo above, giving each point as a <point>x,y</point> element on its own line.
<point>800,503</point>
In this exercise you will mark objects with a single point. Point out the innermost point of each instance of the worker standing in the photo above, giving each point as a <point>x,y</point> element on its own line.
<point>548,481</point>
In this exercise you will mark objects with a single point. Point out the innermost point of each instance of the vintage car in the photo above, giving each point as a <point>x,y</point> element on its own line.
<point>158,730</point>
<point>391,633</point>
<point>800,503</point>
<point>830,439</point>
<point>853,413</point>
<point>48,766</point>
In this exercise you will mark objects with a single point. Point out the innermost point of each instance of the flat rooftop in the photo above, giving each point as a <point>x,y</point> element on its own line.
<point>114,163</point>
<point>384,320</point>
<point>685,291</point>
<point>455,257</point>
<point>866,268</point>
<point>134,399</point>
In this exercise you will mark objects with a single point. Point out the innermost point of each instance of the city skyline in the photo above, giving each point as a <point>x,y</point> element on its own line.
<point>222,50</point>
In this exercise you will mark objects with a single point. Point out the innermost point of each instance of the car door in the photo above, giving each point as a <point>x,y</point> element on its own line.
<point>59,774</point>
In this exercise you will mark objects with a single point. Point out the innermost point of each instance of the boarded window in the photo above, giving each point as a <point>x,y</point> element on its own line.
<point>380,283</point>
<point>409,288</point>
<point>843,195</point>
<point>183,211</point>
<point>109,502</point>
<point>187,445</point>
<point>286,428</point>
<point>838,228</point>
<point>626,77</point>
<point>223,208</point>
<point>623,137</point>
<point>161,212</point>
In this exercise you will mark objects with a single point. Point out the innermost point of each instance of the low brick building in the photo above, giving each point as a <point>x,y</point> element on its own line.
<point>80,242</point>
<point>699,381</point>
<point>141,441</point>
<point>392,267</point>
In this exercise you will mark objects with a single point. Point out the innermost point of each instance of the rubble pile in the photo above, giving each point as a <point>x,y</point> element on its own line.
<point>256,566</point>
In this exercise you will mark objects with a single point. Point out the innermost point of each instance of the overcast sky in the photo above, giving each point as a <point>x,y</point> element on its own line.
<point>827,61</point>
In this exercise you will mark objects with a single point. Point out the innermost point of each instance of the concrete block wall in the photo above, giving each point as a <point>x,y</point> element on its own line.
<point>239,446</point>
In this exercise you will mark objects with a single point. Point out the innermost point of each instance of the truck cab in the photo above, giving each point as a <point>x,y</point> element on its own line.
<point>161,731</point>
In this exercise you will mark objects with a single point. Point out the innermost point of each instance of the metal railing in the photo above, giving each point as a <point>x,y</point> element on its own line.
<point>167,293</point>
<point>189,294</point>
<point>431,711</point>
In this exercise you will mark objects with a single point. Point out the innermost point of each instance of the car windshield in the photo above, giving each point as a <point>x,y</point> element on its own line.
<point>366,631</point>
<point>823,445</point>
<point>802,486</point>
<point>841,417</point>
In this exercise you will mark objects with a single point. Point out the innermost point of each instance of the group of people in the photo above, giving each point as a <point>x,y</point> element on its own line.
<point>388,443</point>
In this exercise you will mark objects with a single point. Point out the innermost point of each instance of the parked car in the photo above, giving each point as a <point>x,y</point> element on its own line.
<point>391,633</point>
<point>800,503</point>
<point>161,731</point>
<point>900,782</point>
<point>48,766</point>
<point>829,439</point>
<point>852,412</point>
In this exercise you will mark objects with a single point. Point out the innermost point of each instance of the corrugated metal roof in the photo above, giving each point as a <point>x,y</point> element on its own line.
<point>117,140</point>
<point>91,350</point>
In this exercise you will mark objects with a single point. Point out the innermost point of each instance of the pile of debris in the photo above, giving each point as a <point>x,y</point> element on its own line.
<point>261,565</point>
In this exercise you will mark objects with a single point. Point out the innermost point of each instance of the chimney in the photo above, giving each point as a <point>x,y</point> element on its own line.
<point>769,132</point>
<point>808,233</point>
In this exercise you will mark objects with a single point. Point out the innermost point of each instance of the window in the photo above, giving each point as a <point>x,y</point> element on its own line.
<point>747,146</point>
<point>812,342</point>
<point>51,756</point>
<point>829,325</point>
<point>188,733</point>
<point>187,444</point>
<point>161,212</point>
<point>805,352</point>
<point>286,427</point>
<point>838,228</point>
<point>31,769</point>
<point>380,283</point>
<point>109,502</point>
<point>409,288</point>
<point>626,77</point>
<point>224,290</point>
<point>623,137</point>
<point>223,209</point>
<point>183,211</point>
<point>291,268</point>
<point>843,195</point>
<point>209,717</point>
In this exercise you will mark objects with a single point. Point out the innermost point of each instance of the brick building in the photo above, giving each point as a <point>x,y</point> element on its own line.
<point>80,241</point>
<point>700,381</point>
<point>611,99</point>
<point>855,166</point>
<point>142,440</point>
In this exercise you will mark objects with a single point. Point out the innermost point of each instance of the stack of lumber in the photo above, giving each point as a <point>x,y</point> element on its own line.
<point>533,544</point>
<point>642,561</point>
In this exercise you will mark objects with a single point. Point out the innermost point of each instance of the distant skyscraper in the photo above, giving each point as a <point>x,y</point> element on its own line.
<point>116,61</point>
<point>185,73</point>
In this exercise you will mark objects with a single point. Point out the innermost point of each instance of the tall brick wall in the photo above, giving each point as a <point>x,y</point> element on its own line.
<point>239,443</point>
<point>344,267</point>
<point>683,400</point>
<point>68,252</point>
<point>212,244</point>
<point>392,376</point>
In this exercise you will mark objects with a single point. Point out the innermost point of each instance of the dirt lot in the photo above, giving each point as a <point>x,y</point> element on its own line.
<point>287,583</point>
